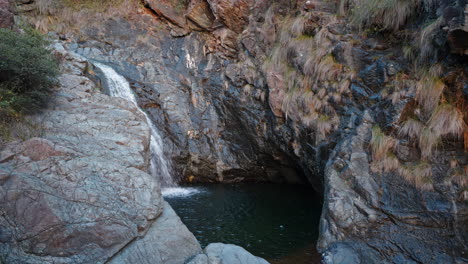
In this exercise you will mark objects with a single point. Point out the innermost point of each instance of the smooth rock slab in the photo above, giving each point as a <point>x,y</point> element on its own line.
<point>168,241</point>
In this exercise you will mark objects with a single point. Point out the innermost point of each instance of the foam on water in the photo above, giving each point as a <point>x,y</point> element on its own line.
<point>180,192</point>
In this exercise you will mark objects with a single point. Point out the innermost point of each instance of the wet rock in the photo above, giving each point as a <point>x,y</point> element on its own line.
<point>341,253</point>
<point>218,253</point>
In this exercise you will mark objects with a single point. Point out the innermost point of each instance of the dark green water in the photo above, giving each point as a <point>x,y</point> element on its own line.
<point>276,222</point>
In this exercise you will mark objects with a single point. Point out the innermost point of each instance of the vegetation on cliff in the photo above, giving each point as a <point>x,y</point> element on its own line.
<point>27,72</point>
<point>69,16</point>
<point>315,77</point>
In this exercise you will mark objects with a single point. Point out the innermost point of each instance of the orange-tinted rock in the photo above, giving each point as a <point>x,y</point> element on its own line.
<point>277,87</point>
<point>232,13</point>
<point>200,14</point>
<point>166,10</point>
<point>40,149</point>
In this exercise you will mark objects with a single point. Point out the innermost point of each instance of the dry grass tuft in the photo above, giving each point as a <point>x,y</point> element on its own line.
<point>381,144</point>
<point>424,40</point>
<point>447,120</point>
<point>324,124</point>
<point>388,14</point>
<point>419,174</point>
<point>430,88</point>
<point>428,140</point>
<point>411,128</point>
<point>387,164</point>
<point>71,15</point>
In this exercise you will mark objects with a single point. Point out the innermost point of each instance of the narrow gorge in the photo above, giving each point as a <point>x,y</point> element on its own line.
<point>166,131</point>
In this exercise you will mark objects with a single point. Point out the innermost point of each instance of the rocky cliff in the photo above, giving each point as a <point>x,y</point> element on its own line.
<point>368,105</point>
<point>69,197</point>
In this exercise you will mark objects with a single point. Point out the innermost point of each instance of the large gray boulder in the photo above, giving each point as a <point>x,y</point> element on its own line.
<point>168,241</point>
<point>218,253</point>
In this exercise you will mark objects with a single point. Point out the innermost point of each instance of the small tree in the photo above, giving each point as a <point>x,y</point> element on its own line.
<point>28,71</point>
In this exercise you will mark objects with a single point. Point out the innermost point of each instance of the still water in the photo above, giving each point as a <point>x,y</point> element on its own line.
<point>276,222</point>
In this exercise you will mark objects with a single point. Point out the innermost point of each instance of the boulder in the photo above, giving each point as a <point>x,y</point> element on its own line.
<point>168,241</point>
<point>218,253</point>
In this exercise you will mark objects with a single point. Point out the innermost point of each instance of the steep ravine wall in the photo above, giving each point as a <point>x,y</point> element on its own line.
<point>285,90</point>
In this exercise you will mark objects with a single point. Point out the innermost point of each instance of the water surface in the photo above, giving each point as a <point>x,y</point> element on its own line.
<point>276,222</point>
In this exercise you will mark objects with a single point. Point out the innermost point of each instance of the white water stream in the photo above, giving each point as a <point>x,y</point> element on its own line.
<point>119,87</point>
<point>160,168</point>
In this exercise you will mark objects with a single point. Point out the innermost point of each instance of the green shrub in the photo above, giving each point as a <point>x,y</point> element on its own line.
<point>28,71</point>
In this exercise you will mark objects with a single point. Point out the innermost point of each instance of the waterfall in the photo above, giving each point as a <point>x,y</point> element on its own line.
<point>119,87</point>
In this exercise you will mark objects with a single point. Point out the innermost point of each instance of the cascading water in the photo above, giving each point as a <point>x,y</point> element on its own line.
<point>119,87</point>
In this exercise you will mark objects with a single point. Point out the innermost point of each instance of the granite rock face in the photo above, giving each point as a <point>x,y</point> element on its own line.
<point>167,241</point>
<point>80,193</point>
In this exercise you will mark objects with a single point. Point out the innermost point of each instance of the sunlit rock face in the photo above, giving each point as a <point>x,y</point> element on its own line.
<point>80,193</point>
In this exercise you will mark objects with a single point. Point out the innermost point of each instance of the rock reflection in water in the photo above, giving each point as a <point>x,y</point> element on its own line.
<point>276,222</point>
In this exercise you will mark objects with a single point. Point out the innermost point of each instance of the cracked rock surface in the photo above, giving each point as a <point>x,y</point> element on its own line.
<point>80,192</point>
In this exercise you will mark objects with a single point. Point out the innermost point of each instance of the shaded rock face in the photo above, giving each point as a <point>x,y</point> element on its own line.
<point>80,193</point>
<point>371,218</point>
<point>6,14</point>
<point>183,89</point>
